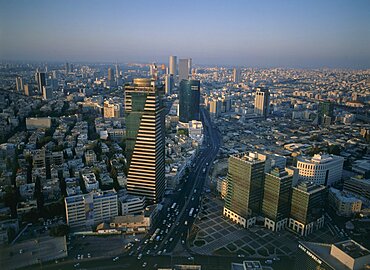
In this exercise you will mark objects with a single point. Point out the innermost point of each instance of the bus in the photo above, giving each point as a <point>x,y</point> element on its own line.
<point>154,235</point>
<point>191,212</point>
<point>173,206</point>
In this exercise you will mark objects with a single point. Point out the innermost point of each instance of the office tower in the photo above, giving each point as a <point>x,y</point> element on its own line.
<point>118,75</point>
<point>145,139</point>
<point>236,75</point>
<point>47,93</point>
<point>306,214</point>
<point>322,169</point>
<point>41,81</point>
<point>325,113</point>
<point>262,101</point>
<point>19,84</point>
<point>347,254</point>
<point>190,66</point>
<point>153,71</point>
<point>168,83</point>
<point>67,68</point>
<point>173,66</point>
<point>110,76</point>
<point>54,74</point>
<point>189,98</point>
<point>215,107</point>
<point>184,69</point>
<point>26,90</point>
<point>276,198</point>
<point>245,182</point>
<point>90,209</point>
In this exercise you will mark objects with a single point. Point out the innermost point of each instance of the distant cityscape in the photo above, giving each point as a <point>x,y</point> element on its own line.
<point>179,166</point>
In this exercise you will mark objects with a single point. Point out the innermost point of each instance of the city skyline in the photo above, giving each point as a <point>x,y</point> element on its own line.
<point>268,34</point>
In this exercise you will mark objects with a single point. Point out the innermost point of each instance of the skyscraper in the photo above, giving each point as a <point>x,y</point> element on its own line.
<point>184,70</point>
<point>47,93</point>
<point>245,182</point>
<point>173,65</point>
<point>19,84</point>
<point>168,83</point>
<point>276,198</point>
<point>110,76</point>
<point>236,75</point>
<point>306,214</point>
<point>189,99</point>
<point>262,101</point>
<point>41,82</point>
<point>145,139</point>
<point>67,68</point>
<point>26,90</point>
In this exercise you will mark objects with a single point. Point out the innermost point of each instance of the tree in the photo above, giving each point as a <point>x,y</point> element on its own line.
<point>334,149</point>
<point>60,230</point>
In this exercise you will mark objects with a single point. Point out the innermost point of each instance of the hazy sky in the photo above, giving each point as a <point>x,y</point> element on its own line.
<point>251,33</point>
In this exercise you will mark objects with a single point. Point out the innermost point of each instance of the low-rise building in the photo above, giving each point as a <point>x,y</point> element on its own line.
<point>132,204</point>
<point>321,169</point>
<point>344,204</point>
<point>90,182</point>
<point>87,210</point>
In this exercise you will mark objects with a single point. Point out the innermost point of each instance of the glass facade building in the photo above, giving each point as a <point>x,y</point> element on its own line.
<point>145,139</point>
<point>189,100</point>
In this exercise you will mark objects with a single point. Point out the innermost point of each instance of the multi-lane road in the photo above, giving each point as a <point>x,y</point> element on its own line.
<point>181,208</point>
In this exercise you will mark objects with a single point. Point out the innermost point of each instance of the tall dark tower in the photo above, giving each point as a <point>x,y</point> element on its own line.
<point>145,139</point>
<point>41,81</point>
<point>189,97</point>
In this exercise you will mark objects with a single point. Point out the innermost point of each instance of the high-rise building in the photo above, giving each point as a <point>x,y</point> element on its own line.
<point>118,75</point>
<point>347,254</point>
<point>110,76</point>
<point>26,90</point>
<point>245,182</point>
<point>168,84</point>
<point>67,68</point>
<point>47,93</point>
<point>215,107</point>
<point>325,113</point>
<point>184,70</point>
<point>262,101</point>
<point>236,75</point>
<point>189,98</point>
<point>276,198</point>
<point>321,169</point>
<point>145,139</point>
<point>173,66</point>
<point>41,81</point>
<point>306,214</point>
<point>19,84</point>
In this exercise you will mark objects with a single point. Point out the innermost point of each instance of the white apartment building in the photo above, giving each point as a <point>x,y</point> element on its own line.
<point>321,169</point>
<point>343,203</point>
<point>87,210</point>
<point>132,205</point>
<point>90,182</point>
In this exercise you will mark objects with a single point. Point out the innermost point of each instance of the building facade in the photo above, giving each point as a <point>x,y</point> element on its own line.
<point>262,102</point>
<point>321,169</point>
<point>145,139</point>
<point>276,199</point>
<point>88,210</point>
<point>245,181</point>
<point>307,214</point>
<point>189,97</point>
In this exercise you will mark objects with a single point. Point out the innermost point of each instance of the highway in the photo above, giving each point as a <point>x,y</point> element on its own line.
<point>175,220</point>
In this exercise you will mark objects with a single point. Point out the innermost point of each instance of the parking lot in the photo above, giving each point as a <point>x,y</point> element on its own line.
<point>213,234</point>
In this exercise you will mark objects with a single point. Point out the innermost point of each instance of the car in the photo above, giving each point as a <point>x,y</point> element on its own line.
<point>190,258</point>
<point>171,239</point>
<point>77,265</point>
<point>139,257</point>
<point>137,240</point>
<point>241,255</point>
<point>182,241</point>
<point>144,264</point>
<point>131,253</point>
<point>165,250</point>
<point>159,252</point>
<point>156,246</point>
<point>115,258</point>
<point>148,252</point>
<point>146,241</point>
